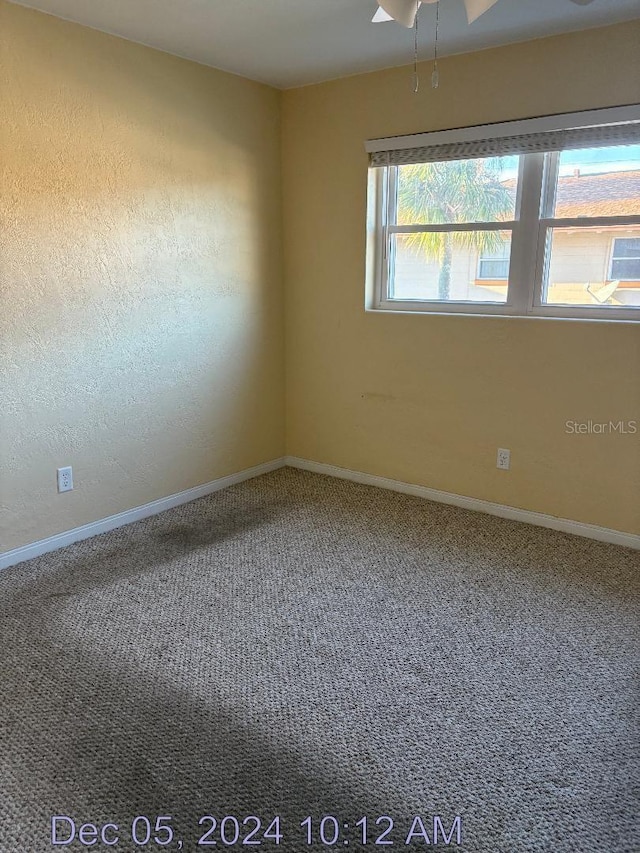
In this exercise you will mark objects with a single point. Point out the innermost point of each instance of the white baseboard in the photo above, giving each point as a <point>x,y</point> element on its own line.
<point>566,525</point>
<point>60,540</point>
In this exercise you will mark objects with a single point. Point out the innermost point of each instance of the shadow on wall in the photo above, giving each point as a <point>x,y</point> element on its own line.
<point>142,195</point>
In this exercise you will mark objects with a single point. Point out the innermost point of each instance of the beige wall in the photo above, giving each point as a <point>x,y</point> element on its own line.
<point>141,307</point>
<point>429,399</point>
<point>142,310</point>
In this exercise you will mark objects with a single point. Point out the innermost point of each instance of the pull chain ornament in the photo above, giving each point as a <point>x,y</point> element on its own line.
<point>435,75</point>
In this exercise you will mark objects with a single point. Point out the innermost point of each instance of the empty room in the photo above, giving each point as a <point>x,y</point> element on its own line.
<point>320,425</point>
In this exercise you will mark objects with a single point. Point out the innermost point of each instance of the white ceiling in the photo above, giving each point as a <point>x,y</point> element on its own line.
<point>294,42</point>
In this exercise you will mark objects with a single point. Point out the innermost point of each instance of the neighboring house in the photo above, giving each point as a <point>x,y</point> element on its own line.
<point>580,258</point>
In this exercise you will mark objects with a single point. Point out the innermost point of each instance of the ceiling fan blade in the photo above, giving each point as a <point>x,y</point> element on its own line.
<point>402,11</point>
<point>582,2</point>
<point>380,15</point>
<point>475,8</point>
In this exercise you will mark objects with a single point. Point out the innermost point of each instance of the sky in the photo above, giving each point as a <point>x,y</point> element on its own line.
<point>619,158</point>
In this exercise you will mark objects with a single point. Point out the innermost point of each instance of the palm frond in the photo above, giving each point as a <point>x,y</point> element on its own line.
<point>457,191</point>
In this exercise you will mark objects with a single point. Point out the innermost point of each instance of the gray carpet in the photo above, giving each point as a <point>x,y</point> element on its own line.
<point>297,645</point>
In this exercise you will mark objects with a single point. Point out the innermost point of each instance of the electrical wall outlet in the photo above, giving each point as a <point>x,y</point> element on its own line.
<point>504,459</point>
<point>65,479</point>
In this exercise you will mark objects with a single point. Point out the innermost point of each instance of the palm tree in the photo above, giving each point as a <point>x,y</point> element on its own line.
<point>449,192</point>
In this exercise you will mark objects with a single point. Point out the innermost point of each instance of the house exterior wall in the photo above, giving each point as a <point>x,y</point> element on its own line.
<point>578,258</point>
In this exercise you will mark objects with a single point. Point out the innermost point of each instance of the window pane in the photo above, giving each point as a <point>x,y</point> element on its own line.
<point>625,263</point>
<point>493,269</point>
<point>481,190</point>
<point>626,248</point>
<point>444,266</point>
<point>598,182</point>
<point>626,269</point>
<point>582,270</point>
<point>494,262</point>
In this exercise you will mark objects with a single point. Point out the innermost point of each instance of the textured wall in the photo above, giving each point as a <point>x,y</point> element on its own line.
<point>141,304</point>
<point>141,274</point>
<point>429,399</point>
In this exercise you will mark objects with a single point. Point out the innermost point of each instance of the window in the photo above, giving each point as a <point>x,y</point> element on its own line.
<point>625,260</point>
<point>589,193</point>
<point>495,265</point>
<point>538,218</point>
<point>442,216</point>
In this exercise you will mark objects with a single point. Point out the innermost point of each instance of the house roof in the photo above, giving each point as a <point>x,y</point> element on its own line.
<point>605,194</point>
<point>602,194</point>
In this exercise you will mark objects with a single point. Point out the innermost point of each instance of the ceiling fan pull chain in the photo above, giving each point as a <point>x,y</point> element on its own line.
<point>435,76</point>
<point>416,79</point>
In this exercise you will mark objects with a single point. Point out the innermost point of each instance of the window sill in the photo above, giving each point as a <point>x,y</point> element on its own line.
<point>552,314</point>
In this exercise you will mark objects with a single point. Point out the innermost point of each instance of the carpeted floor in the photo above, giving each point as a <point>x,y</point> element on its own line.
<point>301,646</point>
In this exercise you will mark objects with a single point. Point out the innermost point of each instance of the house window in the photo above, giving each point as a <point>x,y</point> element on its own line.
<point>518,220</point>
<point>495,265</point>
<point>625,260</point>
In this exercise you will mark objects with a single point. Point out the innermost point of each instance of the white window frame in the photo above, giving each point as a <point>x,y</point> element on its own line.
<point>614,258</point>
<point>530,228</point>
